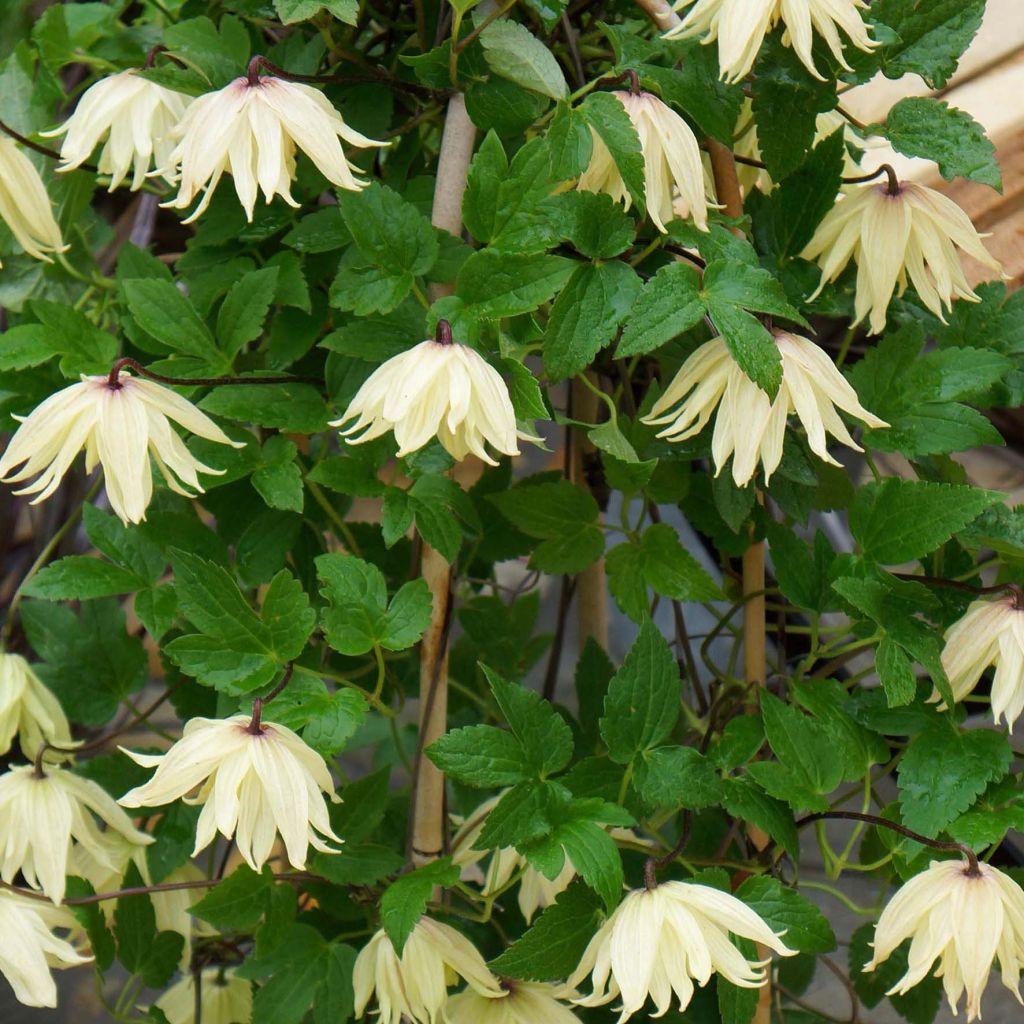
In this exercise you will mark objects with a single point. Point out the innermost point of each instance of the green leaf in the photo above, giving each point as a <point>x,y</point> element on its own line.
<point>295,408</point>
<point>513,52</point>
<point>676,777</point>
<point>92,919</point>
<point>297,966</point>
<point>125,545</point>
<point>586,314</point>
<point>593,222</point>
<point>642,703</point>
<point>405,900</point>
<point>144,951</point>
<point>932,129</point>
<point>81,577</point>
<point>327,720</point>
<point>220,54</point>
<point>496,284</point>
<point>669,305</point>
<point>291,11</point>
<point>896,673</point>
<point>918,1006</point>
<point>898,521</point>
<point>608,119</point>
<point>746,801</point>
<point>783,909</point>
<point>244,309</point>
<point>569,143</point>
<point>278,479</point>
<point>320,231</point>
<point>481,756</point>
<point>803,745</point>
<point>236,903</point>
<point>83,347</point>
<point>165,314</point>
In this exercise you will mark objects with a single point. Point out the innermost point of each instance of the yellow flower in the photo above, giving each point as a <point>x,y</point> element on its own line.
<point>659,941</point>
<point>119,426</point>
<point>913,231</point>
<point>41,815</point>
<point>963,920</point>
<point>28,947</point>
<point>436,389</point>
<point>254,784</point>
<point>741,25</point>
<point>989,633</point>
<point>29,709</point>
<point>134,116</point>
<point>674,184</point>
<point>251,129</point>
<point>25,206</point>
<point>526,1003</point>
<point>224,998</point>
<point>749,426</point>
<point>415,984</point>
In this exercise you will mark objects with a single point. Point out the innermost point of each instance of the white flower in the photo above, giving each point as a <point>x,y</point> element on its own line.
<point>963,920</point>
<point>29,709</point>
<point>674,184</point>
<point>134,116</point>
<point>914,231</point>
<point>251,130</point>
<point>42,814</point>
<point>415,985</point>
<point>254,784</point>
<point>749,426</point>
<point>436,389</point>
<point>24,204</point>
<point>989,633</point>
<point>526,1003</point>
<point>661,940</point>
<point>119,427</point>
<point>741,25</point>
<point>28,947</point>
<point>224,998</point>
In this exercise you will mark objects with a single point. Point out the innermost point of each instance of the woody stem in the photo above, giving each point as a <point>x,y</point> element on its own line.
<point>127,363</point>
<point>1013,589</point>
<point>259,63</point>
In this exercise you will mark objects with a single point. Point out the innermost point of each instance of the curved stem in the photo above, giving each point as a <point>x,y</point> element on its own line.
<point>1012,589</point>
<point>199,382</point>
<point>378,76</point>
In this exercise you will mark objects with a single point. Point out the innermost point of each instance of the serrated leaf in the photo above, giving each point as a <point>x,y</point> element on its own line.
<point>785,910</point>
<point>236,903</point>
<point>669,305</point>
<point>405,900</point>
<point>513,52</point>
<point>608,119</point>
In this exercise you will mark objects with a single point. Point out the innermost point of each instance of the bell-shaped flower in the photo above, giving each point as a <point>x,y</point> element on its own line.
<point>962,918</point>
<point>741,25</point>
<point>413,987</point>
<point>990,633</point>
<point>29,948</point>
<point>253,782</point>
<point>28,709</point>
<point>436,389</point>
<point>251,129</point>
<point>223,998</point>
<point>526,1003</point>
<point>662,940</point>
<point>749,426</point>
<point>25,206</point>
<point>42,813</point>
<point>674,183</point>
<point>892,235</point>
<point>133,115</point>
<point>120,426</point>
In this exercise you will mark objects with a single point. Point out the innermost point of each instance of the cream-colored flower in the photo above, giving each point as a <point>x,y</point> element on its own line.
<point>25,205</point>
<point>29,948</point>
<point>915,231</point>
<point>436,389</point>
<point>526,1003</point>
<point>41,815</point>
<point>741,25</point>
<point>252,785</point>
<point>414,986</point>
<point>224,998</point>
<point>119,427</point>
<point>134,116</point>
<point>659,941</point>
<point>674,182</point>
<point>963,920</point>
<point>989,633</point>
<point>28,709</point>
<point>251,130</point>
<point>749,426</point>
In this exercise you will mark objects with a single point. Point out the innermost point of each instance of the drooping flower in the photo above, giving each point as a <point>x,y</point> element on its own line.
<point>25,205</point>
<point>674,183</point>
<point>749,426</point>
<point>28,709</point>
<point>135,118</point>
<point>251,129</point>
<point>989,633</point>
<point>253,784</point>
<point>415,984</point>
<point>119,425</point>
<point>29,948</point>
<point>436,389</point>
<point>659,941</point>
<point>962,919</point>
<point>526,1003</point>
<point>912,232</point>
<point>741,25</point>
<point>224,998</point>
<point>43,813</point>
